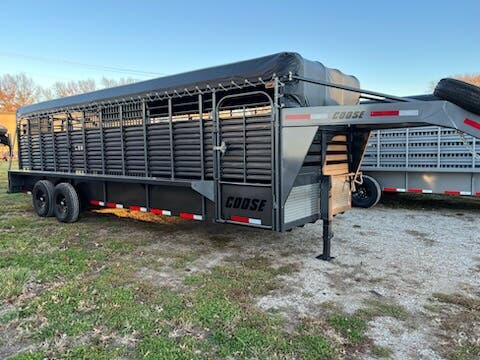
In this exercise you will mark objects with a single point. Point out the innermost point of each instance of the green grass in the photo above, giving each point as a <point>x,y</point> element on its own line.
<point>375,308</point>
<point>381,351</point>
<point>12,281</point>
<point>73,294</point>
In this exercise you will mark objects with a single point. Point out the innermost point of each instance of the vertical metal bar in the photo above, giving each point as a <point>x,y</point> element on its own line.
<point>474,150</point>
<point>54,145</point>
<point>40,142</point>
<point>145,137</point>
<point>325,199</point>
<point>170,129</point>
<point>216,158</point>
<point>439,141</point>
<point>84,136</point>
<point>275,145</point>
<point>200,125</point>
<point>122,140</point>
<point>29,143</point>
<point>202,158</point>
<point>102,147</point>
<point>378,147</point>
<point>69,145</point>
<point>147,197</point>
<point>407,147</point>
<point>244,126</point>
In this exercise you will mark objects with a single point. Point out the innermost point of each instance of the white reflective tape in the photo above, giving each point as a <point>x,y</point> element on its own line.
<point>119,206</point>
<point>465,193</point>
<point>321,116</point>
<point>143,209</point>
<point>401,190</point>
<point>29,192</point>
<point>427,191</point>
<point>254,221</point>
<point>408,113</point>
<point>197,217</point>
<point>166,212</point>
<point>101,203</point>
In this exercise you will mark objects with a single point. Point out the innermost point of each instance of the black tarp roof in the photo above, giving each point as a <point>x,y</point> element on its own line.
<point>263,67</point>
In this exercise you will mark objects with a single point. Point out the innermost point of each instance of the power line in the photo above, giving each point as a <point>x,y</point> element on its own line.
<point>76,63</point>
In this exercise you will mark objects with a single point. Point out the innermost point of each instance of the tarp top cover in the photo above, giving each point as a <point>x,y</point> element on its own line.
<point>281,64</point>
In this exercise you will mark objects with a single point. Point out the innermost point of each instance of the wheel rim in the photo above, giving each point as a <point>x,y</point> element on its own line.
<point>61,204</point>
<point>362,193</point>
<point>41,200</point>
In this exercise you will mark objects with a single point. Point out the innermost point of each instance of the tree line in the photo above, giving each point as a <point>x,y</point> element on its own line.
<point>18,90</point>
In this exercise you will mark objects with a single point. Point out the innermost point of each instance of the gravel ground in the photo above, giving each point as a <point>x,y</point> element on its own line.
<point>402,251</point>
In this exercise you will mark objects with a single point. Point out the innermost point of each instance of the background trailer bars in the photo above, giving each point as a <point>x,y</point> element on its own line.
<point>247,150</point>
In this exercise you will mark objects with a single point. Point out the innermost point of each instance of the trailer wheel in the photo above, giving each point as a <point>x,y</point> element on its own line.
<point>368,194</point>
<point>463,94</point>
<point>42,198</point>
<point>66,204</point>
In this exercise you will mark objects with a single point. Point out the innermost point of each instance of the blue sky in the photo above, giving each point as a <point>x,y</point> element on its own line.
<point>392,46</point>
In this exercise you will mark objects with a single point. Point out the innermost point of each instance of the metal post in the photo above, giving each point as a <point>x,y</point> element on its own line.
<point>29,143</point>
<point>54,146</point>
<point>378,147</point>
<point>102,148</point>
<point>40,142</point>
<point>275,141</point>
<point>325,194</point>
<point>439,138</point>
<point>69,149</point>
<point>122,140</point>
<point>84,135</point>
<point>170,127</point>
<point>202,158</point>
<point>244,120</point>
<point>145,138</point>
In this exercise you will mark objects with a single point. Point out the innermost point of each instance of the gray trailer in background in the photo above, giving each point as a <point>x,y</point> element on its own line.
<point>423,160</point>
<point>273,143</point>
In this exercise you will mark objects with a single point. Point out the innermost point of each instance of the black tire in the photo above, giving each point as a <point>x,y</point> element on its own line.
<point>42,198</point>
<point>66,205</point>
<point>463,94</point>
<point>368,194</point>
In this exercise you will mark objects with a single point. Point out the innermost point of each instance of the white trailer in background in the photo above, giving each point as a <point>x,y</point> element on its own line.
<point>424,160</point>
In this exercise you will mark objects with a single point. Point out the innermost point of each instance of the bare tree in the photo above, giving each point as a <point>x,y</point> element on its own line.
<point>62,89</point>
<point>470,78</point>
<point>17,90</point>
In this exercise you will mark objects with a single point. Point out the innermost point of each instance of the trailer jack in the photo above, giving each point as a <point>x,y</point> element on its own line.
<point>327,238</point>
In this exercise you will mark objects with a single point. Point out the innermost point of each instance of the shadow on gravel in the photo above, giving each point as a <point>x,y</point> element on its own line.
<point>430,202</point>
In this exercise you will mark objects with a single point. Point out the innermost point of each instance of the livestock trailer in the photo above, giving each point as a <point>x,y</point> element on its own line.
<point>274,143</point>
<point>424,160</point>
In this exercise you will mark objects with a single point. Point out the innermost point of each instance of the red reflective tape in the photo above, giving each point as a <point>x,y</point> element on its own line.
<point>156,211</point>
<point>25,191</point>
<point>111,205</point>
<point>390,189</point>
<point>297,117</point>
<point>451,192</point>
<point>95,202</point>
<point>478,193</point>
<point>186,215</point>
<point>240,219</point>
<point>472,123</point>
<point>415,190</point>
<point>385,113</point>
<point>134,208</point>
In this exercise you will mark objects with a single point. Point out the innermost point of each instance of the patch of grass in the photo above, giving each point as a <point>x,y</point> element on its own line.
<point>182,259</point>
<point>352,327</point>
<point>12,281</point>
<point>377,308</point>
<point>29,355</point>
<point>466,302</point>
<point>381,351</point>
<point>459,318</point>
<point>468,351</point>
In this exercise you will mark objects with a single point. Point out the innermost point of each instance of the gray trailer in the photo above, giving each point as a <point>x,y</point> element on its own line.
<point>423,160</point>
<point>273,143</point>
